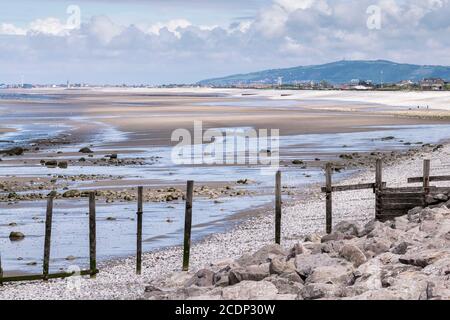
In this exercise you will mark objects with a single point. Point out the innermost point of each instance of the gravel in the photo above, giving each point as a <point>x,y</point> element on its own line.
<point>117,279</point>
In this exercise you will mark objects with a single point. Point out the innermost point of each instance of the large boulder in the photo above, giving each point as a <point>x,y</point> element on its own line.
<point>318,291</point>
<point>305,264</point>
<point>424,258</point>
<point>203,278</point>
<point>263,255</point>
<point>280,266</point>
<point>249,273</point>
<point>285,286</point>
<point>347,228</point>
<point>353,254</point>
<point>251,290</point>
<point>377,246</point>
<point>338,274</point>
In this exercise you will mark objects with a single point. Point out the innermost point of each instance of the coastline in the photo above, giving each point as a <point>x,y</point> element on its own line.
<point>118,281</point>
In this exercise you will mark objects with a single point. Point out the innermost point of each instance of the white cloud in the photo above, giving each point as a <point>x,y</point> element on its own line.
<point>52,26</point>
<point>171,25</point>
<point>10,29</point>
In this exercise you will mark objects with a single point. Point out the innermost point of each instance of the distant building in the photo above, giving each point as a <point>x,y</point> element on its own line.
<point>435,84</point>
<point>405,83</point>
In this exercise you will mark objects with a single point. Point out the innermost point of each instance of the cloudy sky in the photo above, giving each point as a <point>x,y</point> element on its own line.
<point>180,41</point>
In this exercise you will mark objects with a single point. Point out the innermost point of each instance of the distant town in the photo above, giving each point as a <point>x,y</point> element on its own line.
<point>427,84</point>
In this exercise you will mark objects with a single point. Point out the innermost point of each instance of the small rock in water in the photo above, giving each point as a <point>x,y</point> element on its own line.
<point>16,236</point>
<point>63,165</point>
<point>85,150</point>
<point>17,151</point>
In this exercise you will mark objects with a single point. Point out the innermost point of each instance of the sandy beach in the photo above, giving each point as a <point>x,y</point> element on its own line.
<point>348,128</point>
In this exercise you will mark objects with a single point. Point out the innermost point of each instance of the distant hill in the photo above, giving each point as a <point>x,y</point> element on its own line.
<point>338,73</point>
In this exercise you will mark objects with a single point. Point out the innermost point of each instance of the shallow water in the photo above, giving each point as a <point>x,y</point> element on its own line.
<point>162,226</point>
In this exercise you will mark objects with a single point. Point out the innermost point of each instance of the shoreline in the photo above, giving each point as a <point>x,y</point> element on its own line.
<point>117,280</point>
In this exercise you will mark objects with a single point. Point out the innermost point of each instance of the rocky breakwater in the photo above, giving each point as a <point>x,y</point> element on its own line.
<point>404,259</point>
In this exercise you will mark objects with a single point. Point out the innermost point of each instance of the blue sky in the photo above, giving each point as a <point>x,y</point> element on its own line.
<point>174,41</point>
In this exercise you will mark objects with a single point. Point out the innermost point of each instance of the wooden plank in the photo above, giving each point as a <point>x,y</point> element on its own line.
<point>398,206</point>
<point>329,199</point>
<point>35,277</point>
<point>48,234</point>
<point>188,224</point>
<point>416,195</point>
<point>278,208</point>
<point>438,190</point>
<point>416,202</point>
<point>432,179</point>
<point>406,190</point>
<point>395,212</point>
<point>92,235</point>
<point>139,231</point>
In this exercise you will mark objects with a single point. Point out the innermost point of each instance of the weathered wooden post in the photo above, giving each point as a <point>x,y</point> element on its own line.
<point>1,271</point>
<point>188,225</point>
<point>139,231</point>
<point>329,199</point>
<point>48,235</point>
<point>92,236</point>
<point>426,176</point>
<point>378,187</point>
<point>278,208</point>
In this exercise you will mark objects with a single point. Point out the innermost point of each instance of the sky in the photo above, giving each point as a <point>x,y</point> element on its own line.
<point>174,41</point>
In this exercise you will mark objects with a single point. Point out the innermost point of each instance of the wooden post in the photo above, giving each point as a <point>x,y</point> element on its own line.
<point>188,225</point>
<point>48,235</point>
<point>426,175</point>
<point>92,236</point>
<point>378,187</point>
<point>329,199</point>
<point>278,208</point>
<point>139,231</point>
<point>1,271</point>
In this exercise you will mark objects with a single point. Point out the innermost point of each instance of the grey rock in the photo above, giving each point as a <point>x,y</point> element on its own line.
<point>203,278</point>
<point>16,236</point>
<point>337,274</point>
<point>250,290</point>
<point>85,150</point>
<point>377,246</point>
<point>424,258</point>
<point>400,248</point>
<point>305,264</point>
<point>347,228</point>
<point>250,273</point>
<point>334,236</point>
<point>264,255</point>
<point>353,254</point>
